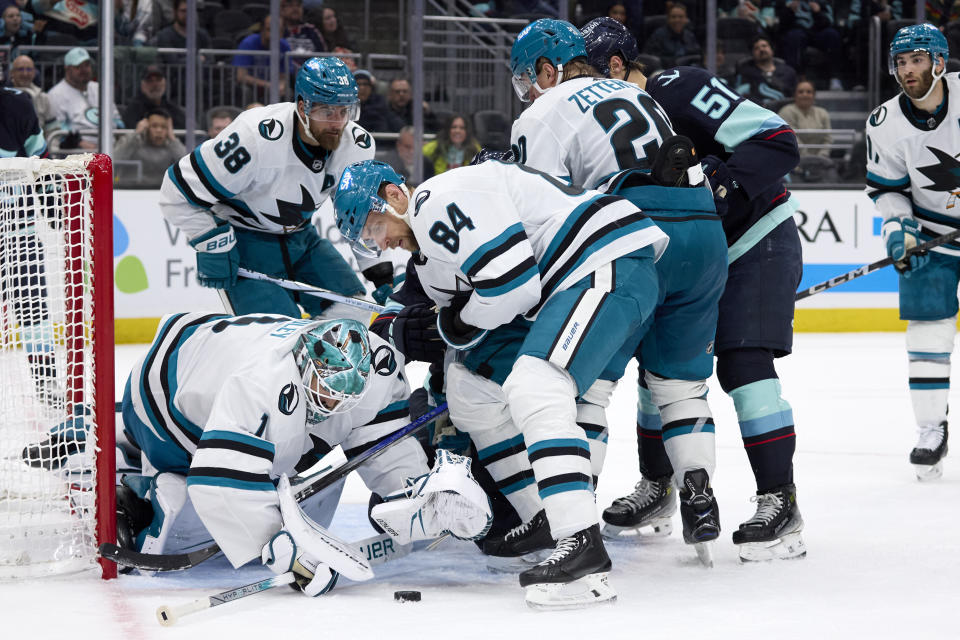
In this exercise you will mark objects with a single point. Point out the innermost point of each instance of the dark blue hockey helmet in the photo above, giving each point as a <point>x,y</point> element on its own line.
<point>487,153</point>
<point>556,40</point>
<point>918,37</point>
<point>604,38</point>
<point>357,195</point>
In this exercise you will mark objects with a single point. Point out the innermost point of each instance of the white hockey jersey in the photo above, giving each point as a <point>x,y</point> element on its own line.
<point>586,130</point>
<point>912,165</point>
<point>219,398</point>
<point>257,174</point>
<point>510,237</point>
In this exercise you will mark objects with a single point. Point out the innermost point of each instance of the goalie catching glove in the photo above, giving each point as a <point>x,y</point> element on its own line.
<point>310,551</point>
<point>446,500</point>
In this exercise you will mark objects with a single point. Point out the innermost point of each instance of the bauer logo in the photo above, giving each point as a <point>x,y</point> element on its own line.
<point>570,335</point>
<point>289,398</point>
<point>271,128</point>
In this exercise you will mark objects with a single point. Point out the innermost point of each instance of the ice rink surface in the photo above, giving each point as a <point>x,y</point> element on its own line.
<point>883,549</point>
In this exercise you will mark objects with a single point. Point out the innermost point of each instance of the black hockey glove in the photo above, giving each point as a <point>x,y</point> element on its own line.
<point>454,331</point>
<point>723,185</point>
<point>414,332</point>
<point>381,275</point>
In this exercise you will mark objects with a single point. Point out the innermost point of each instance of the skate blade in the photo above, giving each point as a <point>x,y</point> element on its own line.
<point>928,472</point>
<point>788,547</point>
<point>589,590</point>
<point>705,553</point>
<point>656,528</point>
<point>516,564</point>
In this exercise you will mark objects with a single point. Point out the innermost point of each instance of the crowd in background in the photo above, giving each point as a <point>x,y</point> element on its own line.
<point>778,53</point>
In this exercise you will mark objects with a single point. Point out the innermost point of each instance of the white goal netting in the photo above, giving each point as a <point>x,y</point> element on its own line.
<point>51,426</point>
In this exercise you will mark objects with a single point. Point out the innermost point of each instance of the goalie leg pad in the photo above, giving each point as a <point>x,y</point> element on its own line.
<point>446,500</point>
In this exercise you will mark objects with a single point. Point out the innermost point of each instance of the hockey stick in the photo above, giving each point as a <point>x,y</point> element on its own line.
<point>874,266</point>
<point>311,290</point>
<point>168,616</point>
<point>180,561</point>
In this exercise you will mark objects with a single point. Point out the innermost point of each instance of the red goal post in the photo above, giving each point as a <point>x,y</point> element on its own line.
<point>57,442</point>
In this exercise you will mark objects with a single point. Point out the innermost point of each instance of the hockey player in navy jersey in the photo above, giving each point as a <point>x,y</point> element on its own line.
<point>21,252</point>
<point>913,176</point>
<point>224,407</point>
<point>746,150</point>
<point>496,241</point>
<point>246,197</point>
<point>609,134</point>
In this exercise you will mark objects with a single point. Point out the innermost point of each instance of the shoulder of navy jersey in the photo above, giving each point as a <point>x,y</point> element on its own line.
<point>20,134</point>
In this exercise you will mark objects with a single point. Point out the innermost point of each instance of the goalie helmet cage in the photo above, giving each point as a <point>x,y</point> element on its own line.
<point>57,455</point>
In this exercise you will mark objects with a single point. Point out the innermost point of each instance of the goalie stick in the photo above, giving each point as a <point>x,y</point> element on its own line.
<point>311,290</point>
<point>180,561</point>
<point>874,266</point>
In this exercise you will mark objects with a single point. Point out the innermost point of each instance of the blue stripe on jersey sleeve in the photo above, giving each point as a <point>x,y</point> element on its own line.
<point>494,245</point>
<point>172,386</point>
<point>242,438</point>
<point>214,480</point>
<point>35,145</point>
<point>513,279</point>
<point>888,182</point>
<point>186,193</point>
<point>744,122</point>
<point>221,192</point>
<point>572,223</point>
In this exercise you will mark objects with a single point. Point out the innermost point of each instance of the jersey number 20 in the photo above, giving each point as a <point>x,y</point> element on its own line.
<point>635,126</point>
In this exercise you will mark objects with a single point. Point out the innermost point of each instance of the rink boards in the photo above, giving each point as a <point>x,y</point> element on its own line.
<point>154,267</point>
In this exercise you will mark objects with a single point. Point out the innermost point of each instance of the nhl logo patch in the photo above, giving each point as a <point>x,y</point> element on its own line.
<point>271,128</point>
<point>317,165</point>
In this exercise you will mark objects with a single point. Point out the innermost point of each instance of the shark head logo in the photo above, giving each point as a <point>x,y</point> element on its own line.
<point>945,175</point>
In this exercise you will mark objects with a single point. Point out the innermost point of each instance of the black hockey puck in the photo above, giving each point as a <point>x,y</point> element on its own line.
<point>406,596</point>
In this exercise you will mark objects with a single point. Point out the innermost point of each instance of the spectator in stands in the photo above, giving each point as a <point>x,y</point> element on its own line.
<point>673,39</point>
<point>300,35</point>
<point>333,32</point>
<point>218,119</point>
<point>253,105</point>
<point>153,89</point>
<point>78,20</point>
<point>804,114</point>
<point>763,79</point>
<point>618,12</point>
<point>806,23</point>
<point>22,76</point>
<point>75,102</point>
<point>400,107</point>
<point>373,107</point>
<point>254,71</point>
<point>174,35</point>
<point>404,155</point>
<point>761,12</point>
<point>454,147</point>
<point>858,24</point>
<point>16,32</point>
<point>153,145</point>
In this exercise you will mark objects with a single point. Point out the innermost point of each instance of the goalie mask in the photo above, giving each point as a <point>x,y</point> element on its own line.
<point>334,362</point>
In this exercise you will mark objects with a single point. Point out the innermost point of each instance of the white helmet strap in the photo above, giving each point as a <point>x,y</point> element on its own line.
<point>306,125</point>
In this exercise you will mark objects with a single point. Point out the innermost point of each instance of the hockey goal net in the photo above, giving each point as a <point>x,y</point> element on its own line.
<point>57,478</point>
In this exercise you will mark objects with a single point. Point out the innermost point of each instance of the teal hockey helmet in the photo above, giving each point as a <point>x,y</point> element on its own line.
<point>357,195</point>
<point>556,40</point>
<point>334,362</point>
<point>918,37</point>
<point>327,81</point>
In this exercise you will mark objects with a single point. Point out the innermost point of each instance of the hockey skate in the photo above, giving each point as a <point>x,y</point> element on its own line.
<point>573,576</point>
<point>927,456</point>
<point>700,514</point>
<point>521,547</point>
<point>645,512</point>
<point>774,530</point>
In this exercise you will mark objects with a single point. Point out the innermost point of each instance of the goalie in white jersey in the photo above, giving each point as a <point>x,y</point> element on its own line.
<point>498,243</point>
<point>223,408</point>
<point>246,197</point>
<point>913,176</point>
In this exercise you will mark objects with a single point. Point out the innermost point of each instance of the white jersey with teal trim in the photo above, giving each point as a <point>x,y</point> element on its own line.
<point>913,168</point>
<point>257,174</point>
<point>223,396</point>
<point>510,237</point>
<point>586,130</point>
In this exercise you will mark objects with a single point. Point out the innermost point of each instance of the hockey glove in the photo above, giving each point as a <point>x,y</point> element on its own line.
<point>282,554</point>
<point>721,182</point>
<point>217,257</point>
<point>414,332</point>
<point>381,275</point>
<point>905,236</point>
<point>454,331</point>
